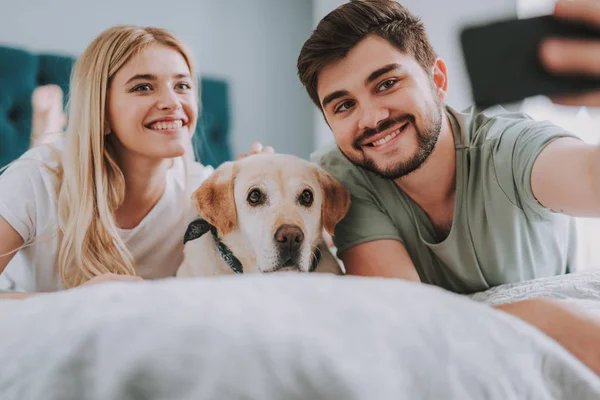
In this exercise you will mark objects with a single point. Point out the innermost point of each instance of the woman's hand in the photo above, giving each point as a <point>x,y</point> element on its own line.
<point>110,277</point>
<point>569,56</point>
<point>256,148</point>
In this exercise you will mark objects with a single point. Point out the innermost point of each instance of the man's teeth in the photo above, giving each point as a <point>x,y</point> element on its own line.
<point>388,137</point>
<point>167,125</point>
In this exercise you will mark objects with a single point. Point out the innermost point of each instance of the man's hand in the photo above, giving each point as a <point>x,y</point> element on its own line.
<point>256,148</point>
<point>575,56</point>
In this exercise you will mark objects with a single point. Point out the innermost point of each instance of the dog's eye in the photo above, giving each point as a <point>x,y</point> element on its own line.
<point>306,198</point>
<point>255,197</point>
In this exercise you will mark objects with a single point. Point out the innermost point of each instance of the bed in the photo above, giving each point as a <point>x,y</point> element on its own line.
<point>288,337</point>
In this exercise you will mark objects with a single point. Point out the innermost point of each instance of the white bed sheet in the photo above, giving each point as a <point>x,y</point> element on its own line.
<point>280,337</point>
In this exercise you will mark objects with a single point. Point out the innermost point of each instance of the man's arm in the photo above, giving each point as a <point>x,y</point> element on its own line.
<point>566,177</point>
<point>383,258</point>
<point>575,330</point>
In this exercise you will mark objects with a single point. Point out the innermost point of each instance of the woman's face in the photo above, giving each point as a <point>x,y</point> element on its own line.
<point>152,107</point>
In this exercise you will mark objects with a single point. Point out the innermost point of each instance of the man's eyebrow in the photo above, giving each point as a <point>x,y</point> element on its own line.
<point>381,71</point>
<point>150,77</point>
<point>335,95</point>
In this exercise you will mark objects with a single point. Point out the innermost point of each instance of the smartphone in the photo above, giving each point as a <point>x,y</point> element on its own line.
<point>503,65</point>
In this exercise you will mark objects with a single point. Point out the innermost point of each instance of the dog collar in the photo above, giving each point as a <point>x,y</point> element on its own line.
<point>198,227</point>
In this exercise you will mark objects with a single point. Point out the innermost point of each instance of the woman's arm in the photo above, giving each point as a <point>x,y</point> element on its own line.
<point>10,240</point>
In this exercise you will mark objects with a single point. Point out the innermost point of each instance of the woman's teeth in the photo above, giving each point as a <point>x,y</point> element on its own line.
<point>166,125</point>
<point>390,136</point>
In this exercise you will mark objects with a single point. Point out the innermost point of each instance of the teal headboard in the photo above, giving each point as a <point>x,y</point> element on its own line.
<point>22,71</point>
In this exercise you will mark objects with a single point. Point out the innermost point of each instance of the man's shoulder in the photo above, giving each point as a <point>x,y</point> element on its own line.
<point>494,123</point>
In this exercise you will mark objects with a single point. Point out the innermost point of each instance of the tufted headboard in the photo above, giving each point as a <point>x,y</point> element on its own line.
<point>22,71</point>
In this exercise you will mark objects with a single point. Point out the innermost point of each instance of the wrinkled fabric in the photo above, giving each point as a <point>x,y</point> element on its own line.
<point>277,337</point>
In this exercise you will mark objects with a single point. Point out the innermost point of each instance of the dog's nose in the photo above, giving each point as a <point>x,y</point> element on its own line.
<point>289,237</point>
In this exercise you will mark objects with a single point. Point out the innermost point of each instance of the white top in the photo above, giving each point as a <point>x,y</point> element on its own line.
<point>28,202</point>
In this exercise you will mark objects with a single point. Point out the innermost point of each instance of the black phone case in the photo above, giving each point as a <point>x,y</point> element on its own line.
<point>503,65</point>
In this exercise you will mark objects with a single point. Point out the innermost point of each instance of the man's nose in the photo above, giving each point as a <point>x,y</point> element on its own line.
<point>372,115</point>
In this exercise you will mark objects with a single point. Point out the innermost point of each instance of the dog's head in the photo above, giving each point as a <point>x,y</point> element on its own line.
<point>274,206</point>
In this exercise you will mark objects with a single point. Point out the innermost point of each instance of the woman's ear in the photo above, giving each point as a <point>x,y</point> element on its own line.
<point>107,129</point>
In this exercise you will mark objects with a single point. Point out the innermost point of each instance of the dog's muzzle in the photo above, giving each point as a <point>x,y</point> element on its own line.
<point>288,238</point>
<point>288,241</point>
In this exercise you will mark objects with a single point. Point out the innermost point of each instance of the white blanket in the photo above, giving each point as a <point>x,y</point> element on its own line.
<point>278,337</point>
<point>581,289</point>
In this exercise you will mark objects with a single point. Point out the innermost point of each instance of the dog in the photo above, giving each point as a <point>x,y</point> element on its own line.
<point>264,213</point>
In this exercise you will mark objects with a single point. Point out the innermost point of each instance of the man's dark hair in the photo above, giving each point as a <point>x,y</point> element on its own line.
<point>350,23</point>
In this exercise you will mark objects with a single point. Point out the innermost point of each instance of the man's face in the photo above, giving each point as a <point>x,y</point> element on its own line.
<point>384,109</point>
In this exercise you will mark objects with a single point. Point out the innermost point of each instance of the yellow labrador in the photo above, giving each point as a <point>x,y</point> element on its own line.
<point>264,213</point>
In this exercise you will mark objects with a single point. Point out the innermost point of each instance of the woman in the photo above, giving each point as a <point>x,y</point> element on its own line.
<point>113,201</point>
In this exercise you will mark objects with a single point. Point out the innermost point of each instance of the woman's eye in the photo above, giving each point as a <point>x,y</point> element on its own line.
<point>255,197</point>
<point>344,106</point>
<point>306,198</point>
<point>184,86</point>
<point>386,85</point>
<point>142,88</point>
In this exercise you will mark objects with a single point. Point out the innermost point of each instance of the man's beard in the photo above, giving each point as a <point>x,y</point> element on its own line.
<point>427,137</point>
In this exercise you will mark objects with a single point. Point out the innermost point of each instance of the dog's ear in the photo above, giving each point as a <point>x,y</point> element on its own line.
<point>336,200</point>
<point>215,201</point>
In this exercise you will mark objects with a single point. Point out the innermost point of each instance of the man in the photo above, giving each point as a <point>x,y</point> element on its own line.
<point>462,200</point>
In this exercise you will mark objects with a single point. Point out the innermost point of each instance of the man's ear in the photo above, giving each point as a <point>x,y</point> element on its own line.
<point>336,200</point>
<point>215,201</point>
<point>440,78</point>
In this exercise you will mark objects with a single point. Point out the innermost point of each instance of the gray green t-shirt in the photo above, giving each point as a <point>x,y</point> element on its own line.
<point>500,232</point>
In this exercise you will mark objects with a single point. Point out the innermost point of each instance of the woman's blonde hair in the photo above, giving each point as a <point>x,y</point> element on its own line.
<point>92,185</point>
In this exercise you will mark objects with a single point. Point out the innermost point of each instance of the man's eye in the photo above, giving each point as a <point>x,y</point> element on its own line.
<point>386,85</point>
<point>344,106</point>
<point>142,88</point>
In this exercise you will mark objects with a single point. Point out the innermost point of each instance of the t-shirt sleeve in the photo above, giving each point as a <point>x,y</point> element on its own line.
<point>366,220</point>
<point>198,174</point>
<point>18,196</point>
<point>515,153</point>
<point>26,188</point>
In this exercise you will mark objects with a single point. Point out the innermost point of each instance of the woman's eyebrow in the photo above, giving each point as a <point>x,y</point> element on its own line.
<point>151,77</point>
